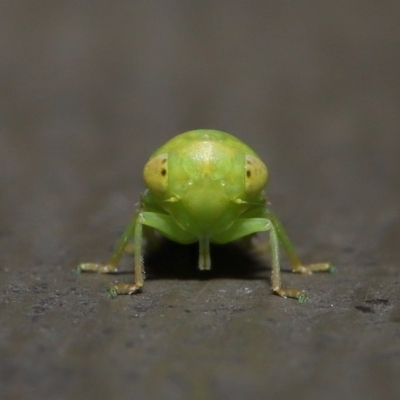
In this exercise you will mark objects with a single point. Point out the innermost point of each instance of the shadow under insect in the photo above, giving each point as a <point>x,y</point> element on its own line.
<point>171,260</point>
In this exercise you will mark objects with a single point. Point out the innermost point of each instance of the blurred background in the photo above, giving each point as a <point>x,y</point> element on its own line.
<point>89,89</point>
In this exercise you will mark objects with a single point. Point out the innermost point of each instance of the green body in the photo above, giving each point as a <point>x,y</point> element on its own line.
<point>198,184</point>
<point>204,186</point>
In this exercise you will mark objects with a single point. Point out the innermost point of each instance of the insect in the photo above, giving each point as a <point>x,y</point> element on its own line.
<point>204,186</point>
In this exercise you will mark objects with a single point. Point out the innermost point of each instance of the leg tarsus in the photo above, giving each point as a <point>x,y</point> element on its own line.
<point>292,293</point>
<point>310,268</point>
<point>135,229</point>
<point>123,288</point>
<point>276,274</point>
<point>95,267</point>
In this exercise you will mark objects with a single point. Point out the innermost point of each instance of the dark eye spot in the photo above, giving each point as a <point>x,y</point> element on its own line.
<point>164,160</point>
<point>163,172</point>
<point>248,173</point>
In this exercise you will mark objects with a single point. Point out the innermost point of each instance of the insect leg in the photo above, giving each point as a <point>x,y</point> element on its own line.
<point>297,265</point>
<point>152,240</point>
<point>204,254</point>
<point>125,288</point>
<point>247,226</point>
<point>112,265</point>
<point>276,271</point>
<point>164,224</point>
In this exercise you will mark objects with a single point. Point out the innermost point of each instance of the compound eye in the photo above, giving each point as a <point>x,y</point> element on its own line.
<point>155,174</point>
<point>256,175</point>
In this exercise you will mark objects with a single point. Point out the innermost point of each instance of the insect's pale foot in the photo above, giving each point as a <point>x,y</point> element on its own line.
<point>292,293</point>
<point>94,267</point>
<point>123,288</point>
<point>310,268</point>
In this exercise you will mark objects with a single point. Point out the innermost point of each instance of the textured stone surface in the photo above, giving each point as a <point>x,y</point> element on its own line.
<point>90,89</point>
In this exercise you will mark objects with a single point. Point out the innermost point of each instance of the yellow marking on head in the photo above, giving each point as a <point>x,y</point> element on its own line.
<point>155,174</point>
<point>256,175</point>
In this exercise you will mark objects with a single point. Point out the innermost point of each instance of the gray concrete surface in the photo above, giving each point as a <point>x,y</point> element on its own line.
<point>90,89</point>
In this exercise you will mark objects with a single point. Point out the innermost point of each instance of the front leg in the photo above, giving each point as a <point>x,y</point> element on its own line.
<point>134,229</point>
<point>138,274</point>
<point>276,272</point>
<point>248,226</point>
<point>297,265</point>
<point>164,224</point>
